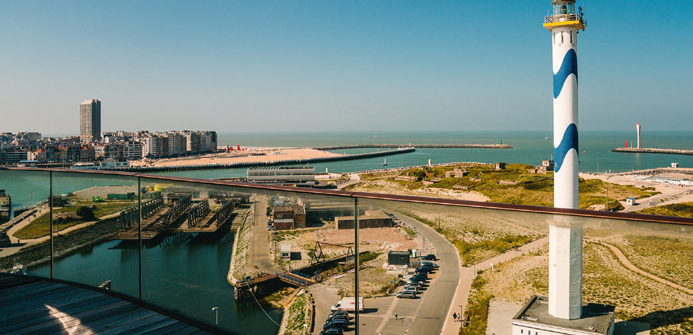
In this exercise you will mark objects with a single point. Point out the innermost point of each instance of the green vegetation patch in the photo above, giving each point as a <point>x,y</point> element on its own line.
<point>470,251</point>
<point>298,313</point>
<point>684,209</point>
<point>477,308</point>
<point>409,231</point>
<point>41,226</point>
<point>514,185</point>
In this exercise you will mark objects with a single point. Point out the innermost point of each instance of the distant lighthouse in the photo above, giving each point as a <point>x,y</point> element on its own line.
<point>637,128</point>
<point>565,239</point>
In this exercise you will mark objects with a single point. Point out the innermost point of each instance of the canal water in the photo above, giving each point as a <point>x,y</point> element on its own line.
<point>182,274</point>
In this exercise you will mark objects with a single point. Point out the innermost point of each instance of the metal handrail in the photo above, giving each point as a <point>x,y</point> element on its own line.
<point>390,197</point>
<point>569,17</point>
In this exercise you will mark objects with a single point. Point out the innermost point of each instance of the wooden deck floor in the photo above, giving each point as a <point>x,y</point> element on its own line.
<point>31,305</point>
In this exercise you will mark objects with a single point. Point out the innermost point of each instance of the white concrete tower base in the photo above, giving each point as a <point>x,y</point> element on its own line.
<point>565,269</point>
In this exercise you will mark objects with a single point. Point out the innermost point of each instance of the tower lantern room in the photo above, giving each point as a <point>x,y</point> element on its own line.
<point>564,15</point>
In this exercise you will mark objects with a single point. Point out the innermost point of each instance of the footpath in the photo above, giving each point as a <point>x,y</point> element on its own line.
<point>467,274</point>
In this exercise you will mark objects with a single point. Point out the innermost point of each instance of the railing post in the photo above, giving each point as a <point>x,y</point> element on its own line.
<point>139,235</point>
<point>356,263</point>
<point>50,215</point>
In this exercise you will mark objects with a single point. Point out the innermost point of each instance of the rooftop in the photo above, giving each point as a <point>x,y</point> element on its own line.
<point>596,318</point>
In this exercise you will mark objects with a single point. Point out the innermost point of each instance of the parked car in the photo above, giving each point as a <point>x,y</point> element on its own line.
<point>414,287</point>
<point>332,331</point>
<point>422,275</point>
<point>418,279</point>
<point>338,313</point>
<point>430,257</point>
<point>406,294</point>
<point>335,317</point>
<point>424,269</point>
<point>418,283</point>
<point>429,263</point>
<point>337,323</point>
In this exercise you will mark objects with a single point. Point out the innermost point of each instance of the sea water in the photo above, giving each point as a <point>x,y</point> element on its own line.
<point>595,154</point>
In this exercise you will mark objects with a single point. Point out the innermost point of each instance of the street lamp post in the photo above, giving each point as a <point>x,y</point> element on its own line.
<point>216,315</point>
<point>305,326</point>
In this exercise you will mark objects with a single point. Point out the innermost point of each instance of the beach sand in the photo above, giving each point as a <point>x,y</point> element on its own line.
<point>254,155</point>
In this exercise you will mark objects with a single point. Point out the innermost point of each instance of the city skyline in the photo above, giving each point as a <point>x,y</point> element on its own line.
<point>310,66</point>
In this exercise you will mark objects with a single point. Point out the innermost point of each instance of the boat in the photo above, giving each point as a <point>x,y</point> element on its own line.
<point>385,162</point>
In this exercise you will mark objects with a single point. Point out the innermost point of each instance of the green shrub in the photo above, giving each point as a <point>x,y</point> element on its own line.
<point>86,213</point>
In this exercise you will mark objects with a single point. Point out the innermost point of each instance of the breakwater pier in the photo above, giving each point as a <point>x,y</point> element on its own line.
<point>654,151</point>
<point>238,165</point>
<point>442,146</point>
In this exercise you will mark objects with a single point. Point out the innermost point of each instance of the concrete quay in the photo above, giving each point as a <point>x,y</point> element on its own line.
<point>444,146</point>
<point>654,151</point>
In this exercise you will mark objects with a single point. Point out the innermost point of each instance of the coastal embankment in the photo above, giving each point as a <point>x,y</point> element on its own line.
<point>443,146</point>
<point>654,151</point>
<point>268,162</point>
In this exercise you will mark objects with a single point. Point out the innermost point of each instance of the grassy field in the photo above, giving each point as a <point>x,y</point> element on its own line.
<point>476,250</point>
<point>40,226</point>
<point>645,252</point>
<point>605,281</point>
<point>683,209</point>
<point>513,185</point>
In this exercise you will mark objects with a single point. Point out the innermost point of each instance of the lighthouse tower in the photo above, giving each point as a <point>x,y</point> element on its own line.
<point>565,238</point>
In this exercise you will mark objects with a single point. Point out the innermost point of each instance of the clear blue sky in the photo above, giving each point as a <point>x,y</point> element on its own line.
<point>338,65</point>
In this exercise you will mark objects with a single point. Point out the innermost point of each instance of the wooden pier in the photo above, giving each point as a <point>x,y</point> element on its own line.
<point>162,218</point>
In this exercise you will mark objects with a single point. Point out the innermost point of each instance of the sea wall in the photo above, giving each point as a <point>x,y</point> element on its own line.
<point>446,146</point>
<point>655,151</point>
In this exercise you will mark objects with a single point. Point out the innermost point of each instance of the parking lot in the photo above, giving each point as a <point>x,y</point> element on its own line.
<point>424,315</point>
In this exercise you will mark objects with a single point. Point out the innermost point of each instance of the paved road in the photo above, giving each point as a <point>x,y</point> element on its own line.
<point>426,314</point>
<point>260,254</point>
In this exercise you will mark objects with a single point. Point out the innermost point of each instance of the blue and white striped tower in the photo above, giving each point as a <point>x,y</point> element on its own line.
<point>565,238</point>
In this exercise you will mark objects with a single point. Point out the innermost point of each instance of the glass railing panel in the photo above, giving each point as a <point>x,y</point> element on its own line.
<point>238,255</point>
<point>90,211</point>
<point>641,268</point>
<point>23,201</point>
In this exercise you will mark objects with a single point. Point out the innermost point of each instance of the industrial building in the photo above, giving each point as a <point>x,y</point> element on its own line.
<point>289,217</point>
<point>282,175</point>
<point>371,219</point>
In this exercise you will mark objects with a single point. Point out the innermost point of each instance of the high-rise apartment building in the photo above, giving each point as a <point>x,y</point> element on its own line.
<point>90,121</point>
